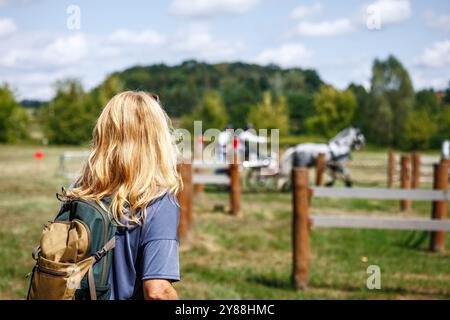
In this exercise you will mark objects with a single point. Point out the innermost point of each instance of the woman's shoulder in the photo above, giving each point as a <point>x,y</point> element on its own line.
<point>167,201</point>
<point>162,216</point>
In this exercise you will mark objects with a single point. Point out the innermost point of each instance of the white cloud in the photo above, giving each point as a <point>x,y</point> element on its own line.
<point>60,52</point>
<point>4,3</point>
<point>205,8</point>
<point>7,27</point>
<point>438,55</point>
<point>145,37</point>
<point>305,11</point>
<point>195,41</point>
<point>66,50</point>
<point>288,55</point>
<point>36,84</point>
<point>33,61</point>
<point>325,28</point>
<point>424,81</point>
<point>390,11</point>
<point>437,21</point>
<point>360,71</point>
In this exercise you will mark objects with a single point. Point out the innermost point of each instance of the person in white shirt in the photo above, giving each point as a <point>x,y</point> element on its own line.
<point>445,151</point>
<point>248,142</point>
<point>223,142</point>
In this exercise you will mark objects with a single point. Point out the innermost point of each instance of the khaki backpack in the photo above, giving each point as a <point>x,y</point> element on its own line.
<point>74,256</point>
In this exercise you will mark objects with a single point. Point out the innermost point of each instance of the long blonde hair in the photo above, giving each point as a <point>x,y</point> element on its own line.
<point>132,160</point>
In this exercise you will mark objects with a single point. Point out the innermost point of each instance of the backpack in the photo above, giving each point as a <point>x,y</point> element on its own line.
<point>73,260</point>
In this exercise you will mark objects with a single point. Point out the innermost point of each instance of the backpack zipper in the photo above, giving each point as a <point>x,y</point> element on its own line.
<point>51,271</point>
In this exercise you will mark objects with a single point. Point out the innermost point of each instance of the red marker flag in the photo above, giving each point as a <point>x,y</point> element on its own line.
<point>38,155</point>
<point>235,142</point>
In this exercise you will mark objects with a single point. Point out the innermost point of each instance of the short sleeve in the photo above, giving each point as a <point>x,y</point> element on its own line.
<point>160,260</point>
<point>159,240</point>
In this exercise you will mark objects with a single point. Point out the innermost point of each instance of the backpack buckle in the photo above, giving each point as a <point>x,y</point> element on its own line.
<point>100,254</point>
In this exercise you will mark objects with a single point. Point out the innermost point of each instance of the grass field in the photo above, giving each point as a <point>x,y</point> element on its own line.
<point>245,257</point>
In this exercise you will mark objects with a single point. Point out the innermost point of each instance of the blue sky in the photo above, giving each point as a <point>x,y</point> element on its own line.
<point>339,39</point>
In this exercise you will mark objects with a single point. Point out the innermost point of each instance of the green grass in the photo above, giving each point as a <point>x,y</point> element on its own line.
<point>293,140</point>
<point>249,256</point>
<point>244,257</point>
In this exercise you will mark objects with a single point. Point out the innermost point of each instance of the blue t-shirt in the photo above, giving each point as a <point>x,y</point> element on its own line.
<point>146,252</point>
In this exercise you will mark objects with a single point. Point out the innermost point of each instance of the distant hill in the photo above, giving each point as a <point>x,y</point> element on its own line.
<point>181,87</point>
<point>32,104</point>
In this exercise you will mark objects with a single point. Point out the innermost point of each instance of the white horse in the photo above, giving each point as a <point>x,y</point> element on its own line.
<point>336,151</point>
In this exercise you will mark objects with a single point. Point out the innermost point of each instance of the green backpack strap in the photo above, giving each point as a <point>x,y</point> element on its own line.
<point>103,251</point>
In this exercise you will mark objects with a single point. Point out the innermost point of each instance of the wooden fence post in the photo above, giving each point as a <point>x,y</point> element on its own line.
<point>198,188</point>
<point>440,208</point>
<point>415,170</point>
<point>235,186</point>
<point>300,227</point>
<point>185,199</point>
<point>320,168</point>
<point>446,162</point>
<point>391,168</point>
<point>198,157</point>
<point>405,180</point>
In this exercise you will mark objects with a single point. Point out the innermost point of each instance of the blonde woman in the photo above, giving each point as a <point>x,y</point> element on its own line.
<point>132,166</point>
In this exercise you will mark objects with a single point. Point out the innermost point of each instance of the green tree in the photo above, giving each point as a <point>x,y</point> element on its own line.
<point>239,114</point>
<point>68,117</point>
<point>428,101</point>
<point>13,118</point>
<point>270,115</point>
<point>183,86</point>
<point>391,101</point>
<point>418,130</point>
<point>334,111</point>
<point>360,118</point>
<point>446,97</point>
<point>301,107</point>
<point>211,111</point>
<point>105,91</point>
<point>443,127</point>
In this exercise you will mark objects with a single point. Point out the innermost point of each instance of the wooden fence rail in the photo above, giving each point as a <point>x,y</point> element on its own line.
<point>203,178</point>
<point>381,194</point>
<point>380,223</point>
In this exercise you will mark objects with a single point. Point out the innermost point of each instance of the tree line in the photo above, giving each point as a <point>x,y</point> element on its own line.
<point>296,101</point>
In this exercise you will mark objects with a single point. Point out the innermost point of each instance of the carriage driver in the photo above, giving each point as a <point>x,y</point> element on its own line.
<point>248,142</point>
<point>445,152</point>
<point>223,142</point>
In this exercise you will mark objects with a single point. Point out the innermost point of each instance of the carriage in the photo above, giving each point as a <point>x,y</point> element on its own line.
<point>272,172</point>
